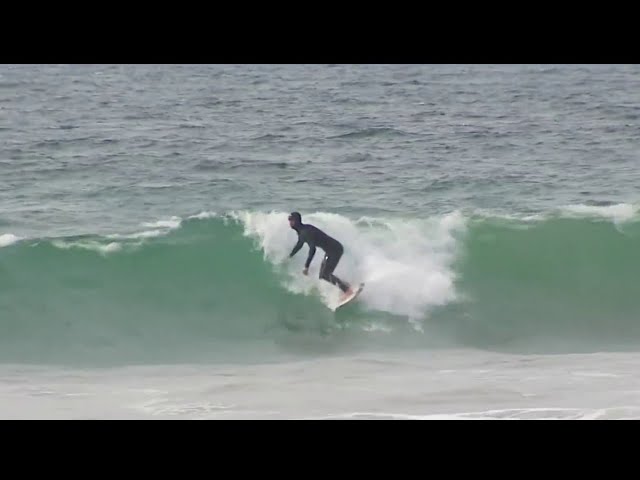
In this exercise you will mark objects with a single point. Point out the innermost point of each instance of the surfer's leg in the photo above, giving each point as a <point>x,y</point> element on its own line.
<point>329,264</point>
<point>323,274</point>
<point>342,285</point>
<point>323,265</point>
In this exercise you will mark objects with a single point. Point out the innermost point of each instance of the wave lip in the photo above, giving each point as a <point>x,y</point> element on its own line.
<point>204,215</point>
<point>171,223</point>
<point>159,228</point>
<point>91,245</point>
<point>619,213</point>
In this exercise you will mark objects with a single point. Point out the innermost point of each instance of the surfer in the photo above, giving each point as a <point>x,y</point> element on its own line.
<point>333,250</point>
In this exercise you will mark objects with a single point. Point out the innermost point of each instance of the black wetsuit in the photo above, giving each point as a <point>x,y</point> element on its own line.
<point>333,250</point>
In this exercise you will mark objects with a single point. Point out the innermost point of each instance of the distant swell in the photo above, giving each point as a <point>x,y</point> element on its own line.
<point>371,132</point>
<point>209,284</point>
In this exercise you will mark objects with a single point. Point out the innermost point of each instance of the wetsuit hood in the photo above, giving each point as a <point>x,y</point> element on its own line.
<point>297,219</point>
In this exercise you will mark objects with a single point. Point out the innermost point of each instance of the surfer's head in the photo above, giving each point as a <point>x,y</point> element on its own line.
<point>295,219</point>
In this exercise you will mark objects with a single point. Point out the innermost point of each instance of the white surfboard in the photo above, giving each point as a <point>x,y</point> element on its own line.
<point>346,300</point>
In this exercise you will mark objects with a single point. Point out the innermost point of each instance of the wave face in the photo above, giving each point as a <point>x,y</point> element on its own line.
<point>213,287</point>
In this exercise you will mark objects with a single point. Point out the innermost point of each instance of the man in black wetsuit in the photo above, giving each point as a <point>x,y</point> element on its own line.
<point>315,237</point>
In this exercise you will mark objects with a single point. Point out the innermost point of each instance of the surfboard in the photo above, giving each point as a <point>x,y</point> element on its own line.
<point>350,298</point>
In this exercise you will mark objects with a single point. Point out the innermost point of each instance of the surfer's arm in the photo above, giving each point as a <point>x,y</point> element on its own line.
<point>297,247</point>
<point>312,252</point>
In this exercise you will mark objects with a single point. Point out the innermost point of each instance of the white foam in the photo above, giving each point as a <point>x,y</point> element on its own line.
<point>7,239</point>
<point>619,213</point>
<point>374,327</point>
<point>203,215</point>
<point>171,223</point>
<point>406,264</point>
<point>160,228</point>
<point>503,414</point>
<point>138,235</point>
<point>89,245</point>
<point>512,217</point>
<point>392,416</point>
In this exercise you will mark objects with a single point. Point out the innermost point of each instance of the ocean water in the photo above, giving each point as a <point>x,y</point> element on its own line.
<point>491,210</point>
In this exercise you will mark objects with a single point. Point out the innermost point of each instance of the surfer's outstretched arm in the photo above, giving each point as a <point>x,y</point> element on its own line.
<point>312,252</point>
<point>297,247</point>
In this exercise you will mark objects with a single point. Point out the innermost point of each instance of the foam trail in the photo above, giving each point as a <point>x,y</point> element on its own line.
<point>406,264</point>
<point>7,239</point>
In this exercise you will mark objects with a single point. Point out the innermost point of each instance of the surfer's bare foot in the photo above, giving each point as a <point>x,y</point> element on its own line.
<point>348,293</point>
